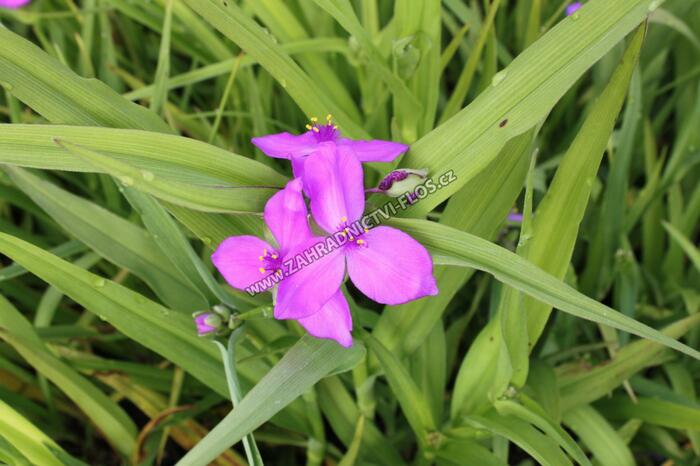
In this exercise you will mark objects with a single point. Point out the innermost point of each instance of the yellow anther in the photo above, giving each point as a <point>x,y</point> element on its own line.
<point>264,252</point>
<point>316,130</point>
<point>279,272</point>
<point>275,256</point>
<point>366,230</point>
<point>360,241</point>
<point>352,238</point>
<point>260,258</point>
<point>309,126</point>
<point>343,234</point>
<point>314,119</point>
<point>343,218</point>
<point>329,117</point>
<point>262,270</point>
<point>335,126</point>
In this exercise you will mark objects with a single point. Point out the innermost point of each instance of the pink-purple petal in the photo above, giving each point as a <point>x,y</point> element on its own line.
<point>286,145</point>
<point>375,150</point>
<point>332,321</point>
<point>391,267</point>
<point>238,259</point>
<point>334,181</point>
<point>287,217</point>
<point>14,3</point>
<point>312,284</point>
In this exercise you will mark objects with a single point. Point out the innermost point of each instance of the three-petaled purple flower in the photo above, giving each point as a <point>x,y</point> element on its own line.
<point>247,260</point>
<point>384,263</point>
<point>13,3</point>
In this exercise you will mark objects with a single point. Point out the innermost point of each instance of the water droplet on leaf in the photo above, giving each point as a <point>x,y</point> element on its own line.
<point>498,77</point>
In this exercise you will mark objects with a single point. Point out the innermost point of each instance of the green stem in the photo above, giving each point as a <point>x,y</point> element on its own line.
<point>235,392</point>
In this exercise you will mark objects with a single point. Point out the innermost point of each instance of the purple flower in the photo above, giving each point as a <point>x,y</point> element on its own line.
<point>248,260</point>
<point>515,217</point>
<point>384,263</point>
<point>13,3</point>
<point>297,148</point>
<point>573,8</point>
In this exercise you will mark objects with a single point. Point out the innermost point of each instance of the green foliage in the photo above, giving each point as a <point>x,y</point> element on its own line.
<point>125,158</point>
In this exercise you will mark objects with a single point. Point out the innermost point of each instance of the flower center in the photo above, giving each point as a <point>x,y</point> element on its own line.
<point>270,261</point>
<point>353,232</point>
<point>324,133</point>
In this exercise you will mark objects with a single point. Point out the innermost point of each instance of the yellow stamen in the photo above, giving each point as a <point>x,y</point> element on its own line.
<point>335,126</point>
<point>261,270</point>
<point>329,117</point>
<point>343,218</point>
<point>316,130</point>
<point>275,256</point>
<point>360,241</point>
<point>279,272</point>
<point>260,258</point>
<point>264,252</point>
<point>309,126</point>
<point>314,119</point>
<point>366,230</point>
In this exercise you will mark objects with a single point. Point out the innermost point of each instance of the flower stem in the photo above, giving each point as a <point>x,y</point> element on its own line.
<point>234,388</point>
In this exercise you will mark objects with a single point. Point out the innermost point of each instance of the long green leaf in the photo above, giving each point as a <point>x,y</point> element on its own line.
<point>114,238</point>
<point>60,95</point>
<point>107,415</point>
<point>523,275</point>
<point>305,364</point>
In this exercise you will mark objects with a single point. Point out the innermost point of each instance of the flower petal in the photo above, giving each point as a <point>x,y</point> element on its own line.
<point>13,3</point>
<point>287,217</point>
<point>332,321</point>
<point>286,145</point>
<point>375,150</point>
<point>391,267</point>
<point>308,284</point>
<point>238,259</point>
<point>334,181</point>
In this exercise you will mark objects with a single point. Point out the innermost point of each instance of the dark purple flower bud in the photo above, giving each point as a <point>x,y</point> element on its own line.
<point>401,181</point>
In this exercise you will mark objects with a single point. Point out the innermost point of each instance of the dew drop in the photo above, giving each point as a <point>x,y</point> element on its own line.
<point>126,180</point>
<point>148,176</point>
<point>498,77</point>
<point>99,283</point>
